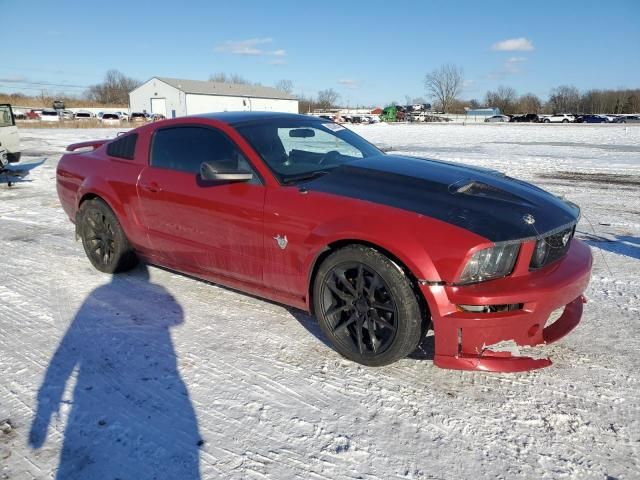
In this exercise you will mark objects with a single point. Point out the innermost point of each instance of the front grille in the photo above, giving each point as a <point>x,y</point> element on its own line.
<point>557,246</point>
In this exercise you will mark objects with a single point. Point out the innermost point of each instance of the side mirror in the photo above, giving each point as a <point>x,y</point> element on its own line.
<point>212,171</point>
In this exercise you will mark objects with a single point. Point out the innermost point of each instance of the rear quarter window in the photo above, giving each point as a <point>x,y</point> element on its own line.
<point>124,147</point>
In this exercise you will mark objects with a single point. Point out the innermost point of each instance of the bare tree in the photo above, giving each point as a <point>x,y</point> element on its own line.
<point>222,77</point>
<point>327,98</point>
<point>504,98</point>
<point>305,104</point>
<point>114,89</point>
<point>564,99</point>
<point>444,85</point>
<point>285,86</point>
<point>529,103</point>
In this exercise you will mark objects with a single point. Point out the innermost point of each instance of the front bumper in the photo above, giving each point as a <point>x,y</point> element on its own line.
<point>472,341</point>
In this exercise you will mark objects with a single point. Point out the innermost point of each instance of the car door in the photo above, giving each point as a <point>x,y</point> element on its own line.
<point>196,225</point>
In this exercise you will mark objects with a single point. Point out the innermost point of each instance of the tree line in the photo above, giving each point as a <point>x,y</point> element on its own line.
<point>445,85</point>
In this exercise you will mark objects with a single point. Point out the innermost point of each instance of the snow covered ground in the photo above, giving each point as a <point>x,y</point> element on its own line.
<point>158,375</point>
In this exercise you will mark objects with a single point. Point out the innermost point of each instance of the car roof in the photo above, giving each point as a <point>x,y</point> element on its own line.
<point>233,118</point>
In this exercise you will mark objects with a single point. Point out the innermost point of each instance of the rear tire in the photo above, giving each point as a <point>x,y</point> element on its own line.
<point>366,306</point>
<point>103,239</point>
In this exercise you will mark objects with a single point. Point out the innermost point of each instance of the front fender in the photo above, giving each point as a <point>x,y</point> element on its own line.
<point>401,242</point>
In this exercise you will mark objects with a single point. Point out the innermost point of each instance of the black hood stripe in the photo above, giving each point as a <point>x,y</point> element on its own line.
<point>494,208</point>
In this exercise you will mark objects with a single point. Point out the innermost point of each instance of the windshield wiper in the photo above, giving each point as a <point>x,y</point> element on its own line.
<point>304,176</point>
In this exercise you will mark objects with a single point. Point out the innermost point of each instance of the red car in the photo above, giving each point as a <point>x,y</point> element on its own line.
<point>303,211</point>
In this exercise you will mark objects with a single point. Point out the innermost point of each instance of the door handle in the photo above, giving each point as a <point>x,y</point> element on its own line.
<point>152,187</point>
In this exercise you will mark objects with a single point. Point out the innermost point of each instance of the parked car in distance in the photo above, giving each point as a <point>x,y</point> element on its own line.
<point>123,116</point>
<point>20,115</point>
<point>33,114</point>
<point>303,211</point>
<point>526,118</point>
<point>497,118</point>
<point>559,118</point>
<point>628,119</point>
<point>110,119</point>
<point>138,117</point>
<point>49,115</point>
<point>83,115</point>
<point>66,114</point>
<point>591,119</point>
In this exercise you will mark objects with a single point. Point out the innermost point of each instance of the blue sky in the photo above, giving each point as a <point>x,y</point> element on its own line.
<point>371,52</point>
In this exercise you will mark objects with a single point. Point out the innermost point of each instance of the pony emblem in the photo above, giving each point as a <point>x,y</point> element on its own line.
<point>281,241</point>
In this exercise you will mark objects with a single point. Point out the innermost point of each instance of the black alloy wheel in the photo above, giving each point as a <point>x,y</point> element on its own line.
<point>366,306</point>
<point>357,304</point>
<point>103,239</point>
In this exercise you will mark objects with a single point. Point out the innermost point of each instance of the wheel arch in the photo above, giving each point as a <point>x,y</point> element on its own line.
<point>87,192</point>
<point>338,244</point>
<point>96,187</point>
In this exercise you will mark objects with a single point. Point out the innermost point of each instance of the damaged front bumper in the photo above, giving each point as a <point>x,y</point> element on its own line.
<point>500,341</point>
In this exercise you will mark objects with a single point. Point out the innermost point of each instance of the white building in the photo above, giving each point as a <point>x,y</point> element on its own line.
<point>174,97</point>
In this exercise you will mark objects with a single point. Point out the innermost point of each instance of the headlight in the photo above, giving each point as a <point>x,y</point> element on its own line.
<point>540,253</point>
<point>489,263</point>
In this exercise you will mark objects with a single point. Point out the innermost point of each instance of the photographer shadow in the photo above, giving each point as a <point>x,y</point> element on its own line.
<point>130,415</point>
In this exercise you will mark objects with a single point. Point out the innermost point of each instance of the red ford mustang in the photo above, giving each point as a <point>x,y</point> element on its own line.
<point>302,211</point>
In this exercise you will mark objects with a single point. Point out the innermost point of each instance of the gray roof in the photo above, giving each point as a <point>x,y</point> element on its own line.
<point>232,89</point>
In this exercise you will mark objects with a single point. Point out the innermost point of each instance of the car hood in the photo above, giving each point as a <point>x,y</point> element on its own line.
<point>483,201</point>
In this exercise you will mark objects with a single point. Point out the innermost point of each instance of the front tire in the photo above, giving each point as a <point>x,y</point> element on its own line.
<point>103,239</point>
<point>366,306</point>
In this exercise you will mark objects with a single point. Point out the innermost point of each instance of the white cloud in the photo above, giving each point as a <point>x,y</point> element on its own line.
<point>349,82</point>
<point>513,45</point>
<point>278,61</point>
<point>511,66</point>
<point>251,47</point>
<point>14,79</point>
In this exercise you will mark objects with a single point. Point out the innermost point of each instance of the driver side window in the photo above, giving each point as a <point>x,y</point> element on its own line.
<point>185,148</point>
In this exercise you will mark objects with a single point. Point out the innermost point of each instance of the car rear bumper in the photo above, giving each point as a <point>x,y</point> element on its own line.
<point>495,341</point>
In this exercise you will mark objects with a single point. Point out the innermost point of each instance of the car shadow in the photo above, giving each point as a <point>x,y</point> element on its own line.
<point>424,351</point>
<point>626,245</point>
<point>129,414</point>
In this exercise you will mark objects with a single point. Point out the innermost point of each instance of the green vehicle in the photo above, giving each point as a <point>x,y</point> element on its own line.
<point>389,114</point>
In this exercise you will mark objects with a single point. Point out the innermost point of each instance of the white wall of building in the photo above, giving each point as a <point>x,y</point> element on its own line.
<point>175,100</point>
<point>193,104</point>
<point>218,103</point>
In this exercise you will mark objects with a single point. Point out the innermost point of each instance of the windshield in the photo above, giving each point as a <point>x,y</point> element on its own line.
<point>299,149</point>
<point>6,119</point>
